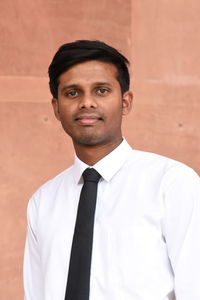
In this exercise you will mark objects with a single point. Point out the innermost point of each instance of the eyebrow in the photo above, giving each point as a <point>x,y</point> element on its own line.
<point>73,86</point>
<point>102,83</point>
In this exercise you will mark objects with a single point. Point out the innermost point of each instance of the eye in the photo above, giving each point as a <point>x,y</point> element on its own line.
<point>72,94</point>
<point>102,91</point>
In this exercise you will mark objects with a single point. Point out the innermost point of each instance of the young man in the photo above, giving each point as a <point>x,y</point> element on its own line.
<point>146,228</point>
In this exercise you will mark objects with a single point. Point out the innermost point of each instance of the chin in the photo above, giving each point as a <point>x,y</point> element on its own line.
<point>90,140</point>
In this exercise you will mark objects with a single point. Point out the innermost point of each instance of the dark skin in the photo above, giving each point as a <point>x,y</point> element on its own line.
<point>91,155</point>
<point>90,107</point>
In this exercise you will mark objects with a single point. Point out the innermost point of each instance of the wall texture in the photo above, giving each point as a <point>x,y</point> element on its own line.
<point>162,41</point>
<point>165,41</point>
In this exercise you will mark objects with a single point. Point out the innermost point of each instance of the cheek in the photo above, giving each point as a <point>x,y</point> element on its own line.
<point>116,110</point>
<point>115,116</point>
<point>66,111</point>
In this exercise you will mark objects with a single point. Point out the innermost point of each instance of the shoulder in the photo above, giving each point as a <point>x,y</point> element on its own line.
<point>159,161</point>
<point>166,170</point>
<point>54,182</point>
<point>176,177</point>
<point>49,189</point>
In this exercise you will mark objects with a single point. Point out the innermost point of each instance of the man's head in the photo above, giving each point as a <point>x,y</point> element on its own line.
<point>90,86</point>
<point>77,52</point>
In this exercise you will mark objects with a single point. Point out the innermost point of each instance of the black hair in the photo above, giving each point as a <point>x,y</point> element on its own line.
<point>80,51</point>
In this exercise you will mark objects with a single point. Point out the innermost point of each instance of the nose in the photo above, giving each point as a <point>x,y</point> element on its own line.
<point>87,101</point>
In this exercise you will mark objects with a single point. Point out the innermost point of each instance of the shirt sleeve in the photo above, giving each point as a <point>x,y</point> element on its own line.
<point>182,230</point>
<point>32,264</point>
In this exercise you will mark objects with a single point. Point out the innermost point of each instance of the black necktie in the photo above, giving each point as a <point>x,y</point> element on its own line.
<point>78,282</point>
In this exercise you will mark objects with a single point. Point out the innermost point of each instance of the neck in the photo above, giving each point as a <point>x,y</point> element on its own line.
<point>92,154</point>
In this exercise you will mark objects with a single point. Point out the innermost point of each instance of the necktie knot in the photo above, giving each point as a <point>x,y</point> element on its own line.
<point>91,174</point>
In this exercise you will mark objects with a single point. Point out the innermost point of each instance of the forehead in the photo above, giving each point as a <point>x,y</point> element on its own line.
<point>90,71</point>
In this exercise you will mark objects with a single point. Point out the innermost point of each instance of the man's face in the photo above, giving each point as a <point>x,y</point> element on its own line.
<point>90,104</point>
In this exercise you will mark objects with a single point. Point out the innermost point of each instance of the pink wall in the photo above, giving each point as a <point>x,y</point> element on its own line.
<point>165,43</point>
<point>160,38</point>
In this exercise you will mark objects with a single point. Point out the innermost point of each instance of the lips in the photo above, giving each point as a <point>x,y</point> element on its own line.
<point>88,119</point>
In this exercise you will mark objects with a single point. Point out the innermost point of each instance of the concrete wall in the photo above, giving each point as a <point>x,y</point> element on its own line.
<point>161,40</point>
<point>165,44</point>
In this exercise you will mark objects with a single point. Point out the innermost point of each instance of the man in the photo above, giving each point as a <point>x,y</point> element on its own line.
<point>146,230</point>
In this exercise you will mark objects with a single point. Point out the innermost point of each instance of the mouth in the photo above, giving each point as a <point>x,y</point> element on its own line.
<point>88,119</point>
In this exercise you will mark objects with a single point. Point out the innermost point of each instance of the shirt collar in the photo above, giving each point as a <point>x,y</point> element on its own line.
<point>108,166</point>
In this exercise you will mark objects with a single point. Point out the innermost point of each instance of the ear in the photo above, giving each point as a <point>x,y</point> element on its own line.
<point>55,105</point>
<point>127,102</point>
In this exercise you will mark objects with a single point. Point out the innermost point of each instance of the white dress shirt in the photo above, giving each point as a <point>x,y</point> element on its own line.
<point>146,243</point>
